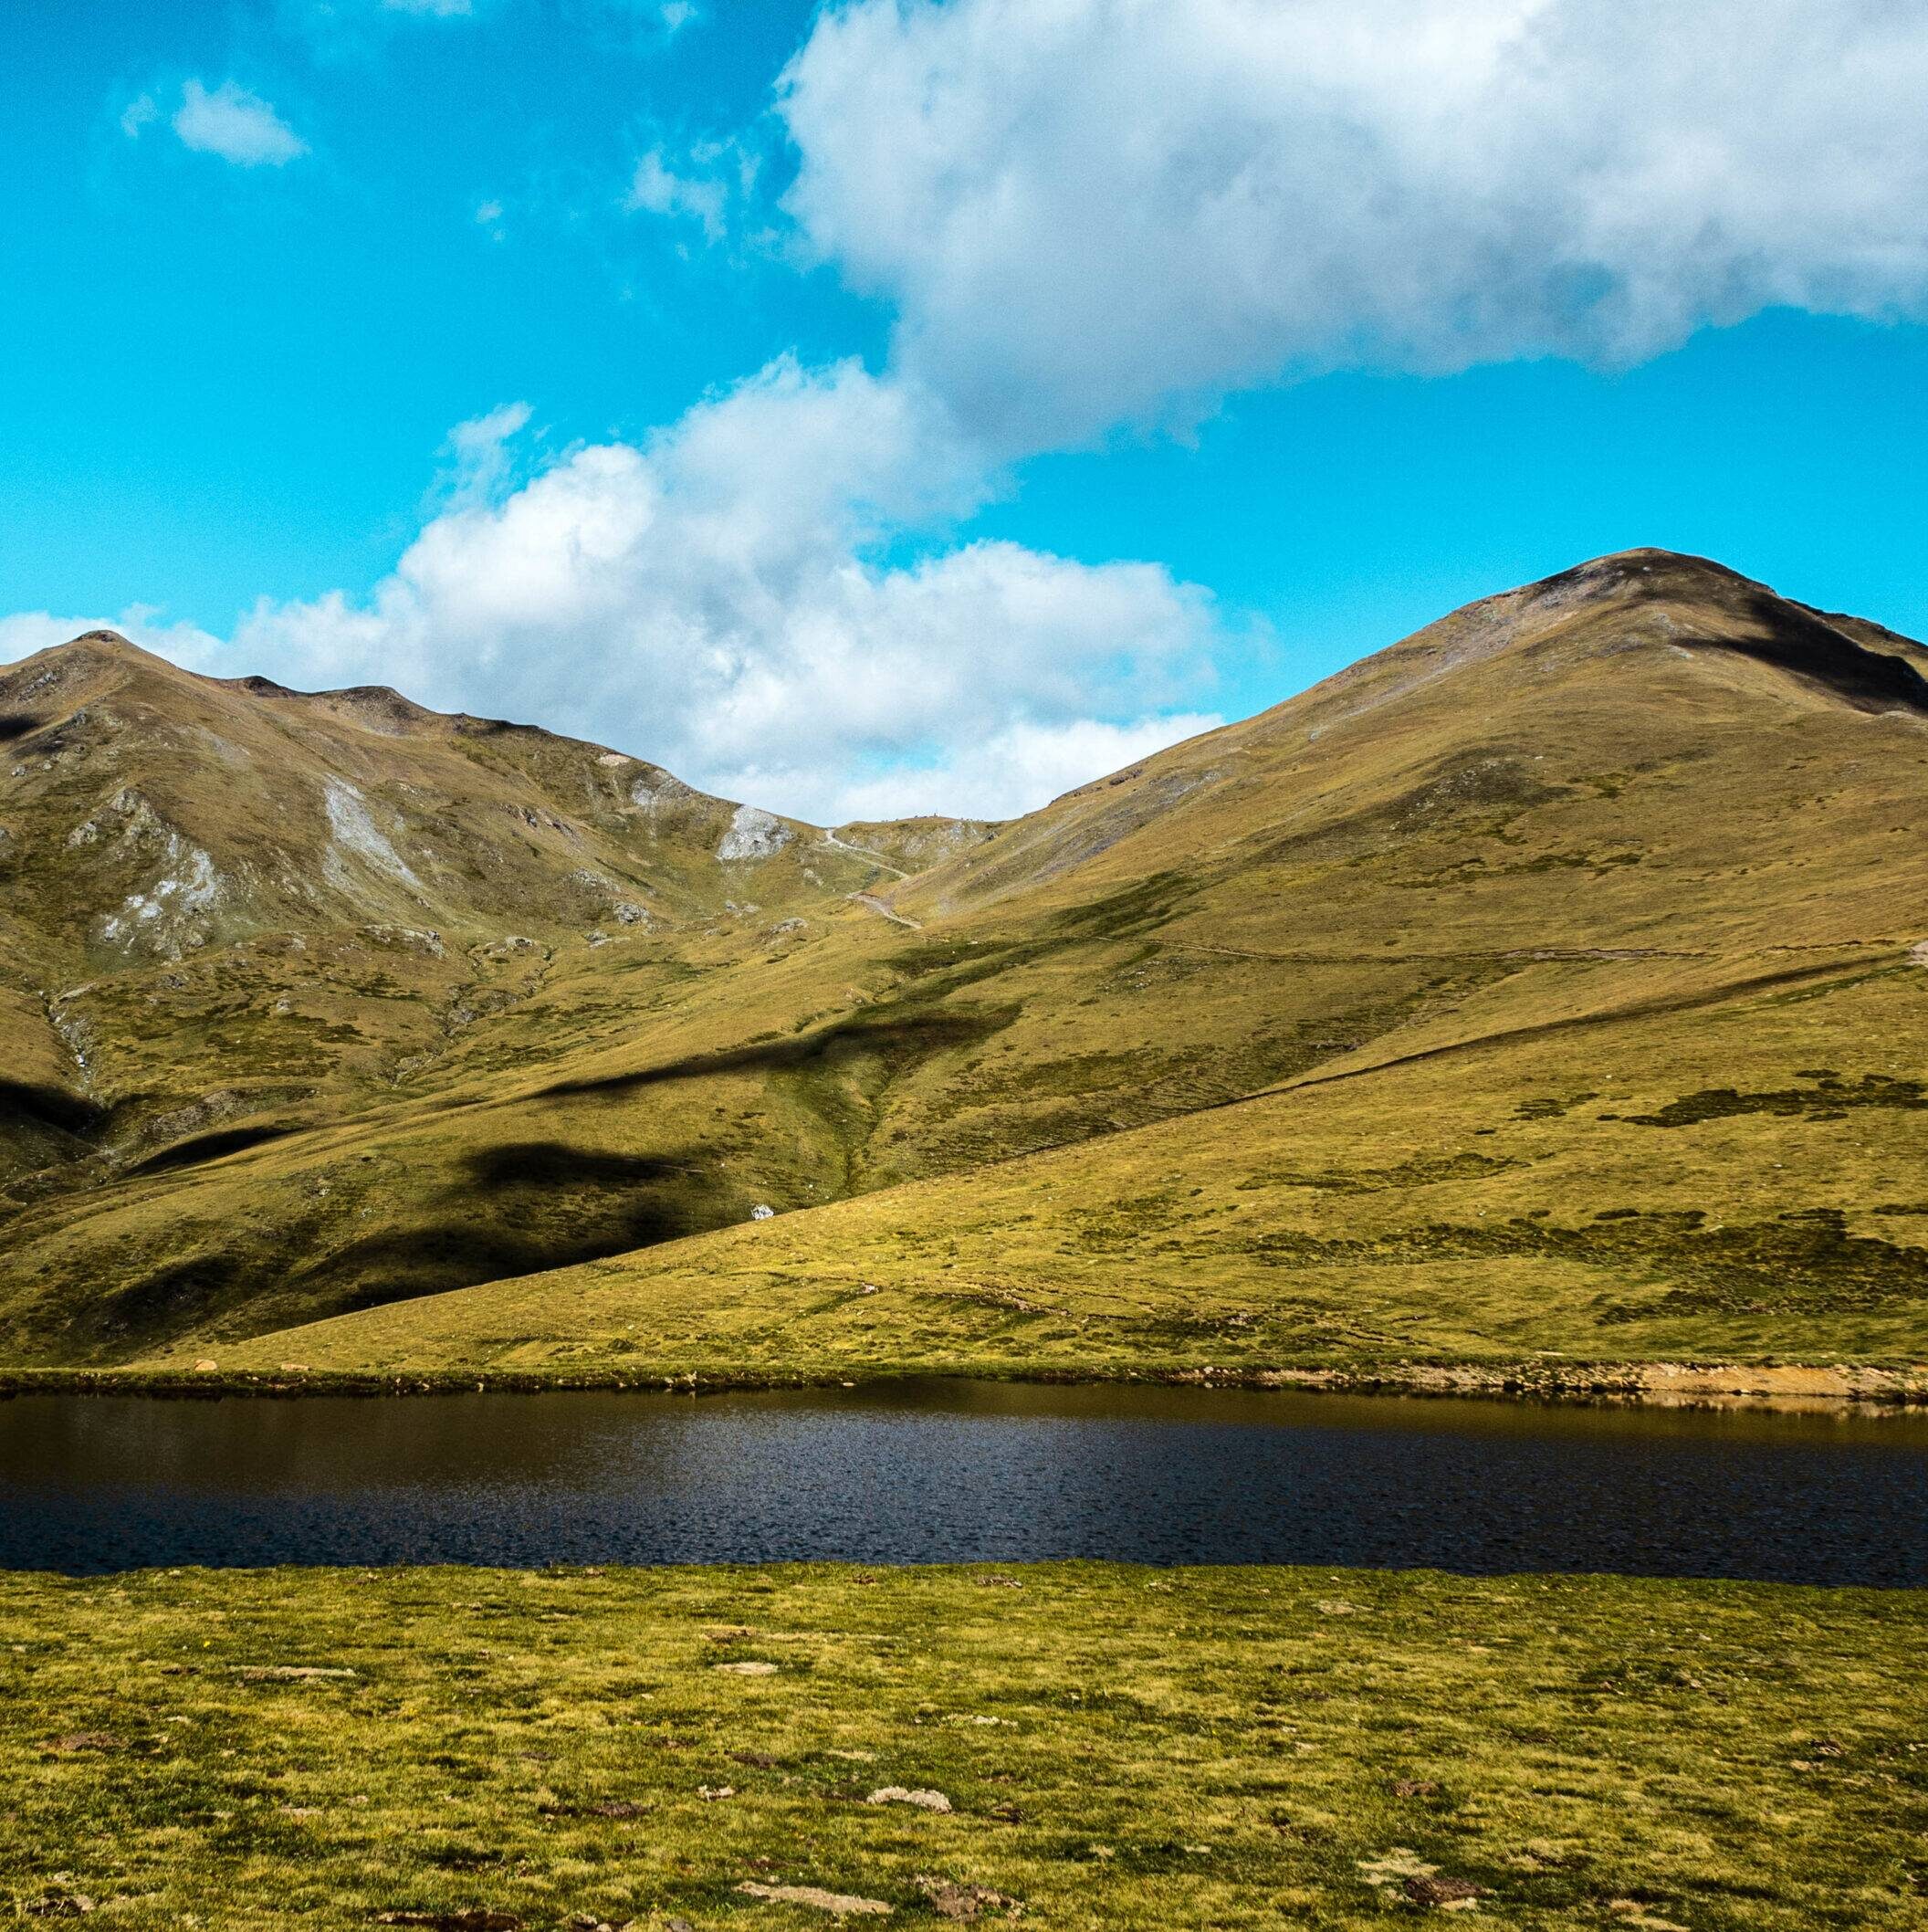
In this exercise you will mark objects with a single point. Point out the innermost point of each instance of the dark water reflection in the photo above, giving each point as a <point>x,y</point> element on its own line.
<point>956,1471</point>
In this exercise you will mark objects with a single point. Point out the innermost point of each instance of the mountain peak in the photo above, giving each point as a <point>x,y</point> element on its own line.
<point>102,643</point>
<point>1645,571</point>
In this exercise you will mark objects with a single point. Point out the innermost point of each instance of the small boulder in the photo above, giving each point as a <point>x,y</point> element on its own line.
<point>896,1794</point>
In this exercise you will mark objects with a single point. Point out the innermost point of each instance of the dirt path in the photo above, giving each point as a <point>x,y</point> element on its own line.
<point>876,858</point>
<point>871,903</point>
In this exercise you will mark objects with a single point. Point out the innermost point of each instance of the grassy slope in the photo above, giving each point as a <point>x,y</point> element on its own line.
<point>1121,1749</point>
<point>1601,1034</point>
<point>1588,1192</point>
<point>1616,845</point>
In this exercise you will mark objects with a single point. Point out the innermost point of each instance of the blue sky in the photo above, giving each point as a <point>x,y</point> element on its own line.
<point>919,406</point>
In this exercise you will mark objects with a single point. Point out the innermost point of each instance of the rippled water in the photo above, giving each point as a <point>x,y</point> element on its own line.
<point>941,1471</point>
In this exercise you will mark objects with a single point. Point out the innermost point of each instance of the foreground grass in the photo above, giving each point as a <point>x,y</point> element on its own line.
<point>1119,1746</point>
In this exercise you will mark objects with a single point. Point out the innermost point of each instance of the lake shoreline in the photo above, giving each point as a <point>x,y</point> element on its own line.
<point>1861,1386</point>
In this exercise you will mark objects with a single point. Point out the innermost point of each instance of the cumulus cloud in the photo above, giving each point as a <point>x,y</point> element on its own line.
<point>238,126</point>
<point>1024,765</point>
<point>715,599</point>
<point>1094,210</point>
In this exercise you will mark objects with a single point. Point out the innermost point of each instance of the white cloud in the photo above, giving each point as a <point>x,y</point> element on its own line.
<point>237,125</point>
<point>1014,770</point>
<point>655,188</point>
<point>136,115</point>
<point>1090,210</point>
<point>712,599</point>
<point>676,14</point>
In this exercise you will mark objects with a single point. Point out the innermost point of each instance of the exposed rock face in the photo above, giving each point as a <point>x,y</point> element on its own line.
<point>754,834</point>
<point>357,837</point>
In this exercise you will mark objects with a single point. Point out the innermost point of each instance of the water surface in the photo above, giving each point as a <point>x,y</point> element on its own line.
<point>950,1472</point>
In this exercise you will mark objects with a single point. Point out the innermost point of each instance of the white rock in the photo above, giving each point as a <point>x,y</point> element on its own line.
<point>897,1794</point>
<point>754,834</point>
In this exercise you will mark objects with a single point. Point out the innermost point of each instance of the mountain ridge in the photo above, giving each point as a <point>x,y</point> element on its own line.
<point>1367,915</point>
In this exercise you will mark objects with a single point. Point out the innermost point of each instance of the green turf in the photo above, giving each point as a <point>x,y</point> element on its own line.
<point>1119,1747</point>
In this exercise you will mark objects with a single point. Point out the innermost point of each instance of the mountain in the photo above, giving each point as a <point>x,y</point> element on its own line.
<point>1551,981</point>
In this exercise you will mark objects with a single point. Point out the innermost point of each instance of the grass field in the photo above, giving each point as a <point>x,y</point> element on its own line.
<point>1115,1747</point>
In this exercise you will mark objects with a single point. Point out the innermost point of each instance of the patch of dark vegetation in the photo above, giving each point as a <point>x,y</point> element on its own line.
<point>1423,1172</point>
<point>1475,780</point>
<point>1805,1262</point>
<point>1550,1107</point>
<point>941,970</point>
<point>1477,792</point>
<point>1830,1098</point>
<point>1135,909</point>
<point>209,1147</point>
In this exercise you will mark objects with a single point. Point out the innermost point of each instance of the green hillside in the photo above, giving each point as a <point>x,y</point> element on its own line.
<point>1550,982</point>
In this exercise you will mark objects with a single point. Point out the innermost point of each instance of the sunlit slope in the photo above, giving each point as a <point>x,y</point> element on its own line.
<point>1593,830</point>
<point>1704,1163</point>
<point>1646,749</point>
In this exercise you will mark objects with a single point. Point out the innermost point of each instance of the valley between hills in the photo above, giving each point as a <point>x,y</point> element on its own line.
<point>1542,997</point>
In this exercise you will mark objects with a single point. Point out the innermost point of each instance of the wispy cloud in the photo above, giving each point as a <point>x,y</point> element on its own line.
<point>237,125</point>
<point>479,450</point>
<point>657,188</point>
<point>136,115</point>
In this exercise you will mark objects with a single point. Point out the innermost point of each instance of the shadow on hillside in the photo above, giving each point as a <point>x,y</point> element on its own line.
<point>208,1147</point>
<point>1795,642</point>
<point>501,1211</point>
<point>900,1042</point>
<point>30,1104</point>
<point>174,1298</point>
<point>16,724</point>
<point>504,1211</point>
<point>524,1208</point>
